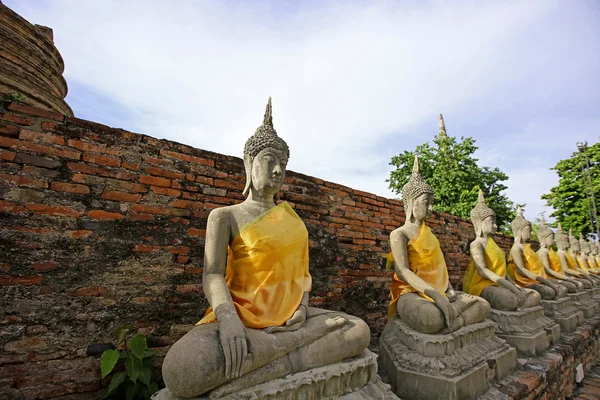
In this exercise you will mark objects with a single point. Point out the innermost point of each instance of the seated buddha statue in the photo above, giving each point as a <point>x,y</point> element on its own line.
<point>486,274</point>
<point>596,252</point>
<point>590,249</point>
<point>551,261</point>
<point>259,326</point>
<point>568,263</point>
<point>581,259</point>
<point>421,293</point>
<point>524,266</point>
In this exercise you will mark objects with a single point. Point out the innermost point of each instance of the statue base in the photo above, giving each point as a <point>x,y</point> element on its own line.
<point>524,329</point>
<point>584,303</point>
<point>595,297</point>
<point>352,379</point>
<point>459,365</point>
<point>564,313</point>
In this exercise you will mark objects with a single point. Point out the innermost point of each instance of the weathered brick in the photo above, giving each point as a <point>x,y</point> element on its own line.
<point>165,173</point>
<point>180,250</point>
<point>26,345</point>
<point>165,191</point>
<point>144,248</point>
<point>155,181</point>
<point>105,215</point>
<point>38,112</point>
<point>69,188</point>
<point>24,181</point>
<point>101,160</point>
<point>45,266</point>
<point>80,234</point>
<point>188,158</point>
<point>91,291</point>
<point>29,170</point>
<point>157,161</point>
<point>197,232</point>
<point>41,137</point>
<point>17,119</point>
<point>100,171</point>
<point>57,211</point>
<point>131,166</point>
<point>44,162</point>
<point>7,206</point>
<point>140,208</point>
<point>38,148</point>
<point>94,148</point>
<point>25,280</point>
<point>121,196</point>
<point>7,155</point>
<point>9,130</point>
<point>142,217</point>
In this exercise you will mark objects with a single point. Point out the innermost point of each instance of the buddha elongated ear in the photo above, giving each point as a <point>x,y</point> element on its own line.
<point>248,167</point>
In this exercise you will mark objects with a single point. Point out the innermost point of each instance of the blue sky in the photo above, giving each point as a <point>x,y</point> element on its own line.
<point>353,82</point>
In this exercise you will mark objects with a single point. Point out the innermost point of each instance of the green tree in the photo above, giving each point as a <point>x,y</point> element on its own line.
<point>571,198</point>
<point>450,168</point>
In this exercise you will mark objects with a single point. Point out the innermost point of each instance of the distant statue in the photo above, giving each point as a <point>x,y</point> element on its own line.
<point>486,274</point>
<point>259,326</point>
<point>524,265</point>
<point>568,263</point>
<point>421,292</point>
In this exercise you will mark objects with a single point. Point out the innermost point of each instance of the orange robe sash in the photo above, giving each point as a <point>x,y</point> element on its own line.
<point>495,261</point>
<point>426,260</point>
<point>532,263</point>
<point>554,261</point>
<point>582,263</point>
<point>267,269</point>
<point>571,261</point>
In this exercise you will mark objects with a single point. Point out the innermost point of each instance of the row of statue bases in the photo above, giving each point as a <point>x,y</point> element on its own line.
<point>261,340</point>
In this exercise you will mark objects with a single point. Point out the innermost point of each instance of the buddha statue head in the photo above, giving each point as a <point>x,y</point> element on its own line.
<point>573,242</point>
<point>417,196</point>
<point>562,239</point>
<point>584,246</point>
<point>521,227</point>
<point>265,158</point>
<point>483,217</point>
<point>545,234</point>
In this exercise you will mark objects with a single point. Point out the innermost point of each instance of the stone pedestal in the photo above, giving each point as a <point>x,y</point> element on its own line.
<point>352,379</point>
<point>594,294</point>
<point>457,366</point>
<point>564,313</point>
<point>584,303</point>
<point>524,329</point>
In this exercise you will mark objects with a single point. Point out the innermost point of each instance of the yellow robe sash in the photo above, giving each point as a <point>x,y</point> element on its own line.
<point>532,263</point>
<point>582,263</point>
<point>571,261</point>
<point>592,263</point>
<point>425,258</point>
<point>267,269</point>
<point>597,258</point>
<point>495,261</point>
<point>554,261</point>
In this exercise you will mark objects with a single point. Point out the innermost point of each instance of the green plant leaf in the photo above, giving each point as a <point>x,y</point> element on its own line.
<point>153,388</point>
<point>121,332</point>
<point>138,346</point>
<point>134,366</point>
<point>115,382</point>
<point>150,353</point>
<point>131,391</point>
<point>108,361</point>
<point>146,376</point>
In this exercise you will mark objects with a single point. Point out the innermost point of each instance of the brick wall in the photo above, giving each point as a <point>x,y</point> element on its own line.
<point>100,227</point>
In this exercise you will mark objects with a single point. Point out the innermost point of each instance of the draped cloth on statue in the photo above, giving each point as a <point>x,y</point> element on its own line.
<point>267,268</point>
<point>426,260</point>
<point>582,263</point>
<point>592,263</point>
<point>495,261</point>
<point>532,263</point>
<point>571,261</point>
<point>554,261</point>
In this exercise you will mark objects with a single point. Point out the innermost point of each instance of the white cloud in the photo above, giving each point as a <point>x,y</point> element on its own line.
<point>348,80</point>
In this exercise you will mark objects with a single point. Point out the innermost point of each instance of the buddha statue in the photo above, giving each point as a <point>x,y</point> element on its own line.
<point>259,326</point>
<point>597,253</point>
<point>587,246</point>
<point>519,318</point>
<point>421,293</point>
<point>568,263</point>
<point>434,334</point>
<point>581,259</point>
<point>486,274</point>
<point>551,261</point>
<point>524,265</point>
<point>593,255</point>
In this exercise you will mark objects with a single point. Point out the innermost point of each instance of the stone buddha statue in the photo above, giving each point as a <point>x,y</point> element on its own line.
<point>436,339</point>
<point>259,326</point>
<point>589,247</point>
<point>421,292</point>
<point>525,267</point>
<point>486,274</point>
<point>580,258</point>
<point>568,263</point>
<point>551,261</point>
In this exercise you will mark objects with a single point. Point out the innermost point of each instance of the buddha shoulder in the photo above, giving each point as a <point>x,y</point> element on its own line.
<point>399,236</point>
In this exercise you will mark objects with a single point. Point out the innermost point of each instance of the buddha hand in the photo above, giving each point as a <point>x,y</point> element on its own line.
<point>232,335</point>
<point>292,324</point>
<point>442,303</point>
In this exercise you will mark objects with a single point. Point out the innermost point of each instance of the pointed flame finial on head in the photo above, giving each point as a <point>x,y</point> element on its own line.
<point>268,119</point>
<point>481,199</point>
<point>519,211</point>
<point>543,219</point>
<point>415,168</point>
<point>570,231</point>
<point>442,125</point>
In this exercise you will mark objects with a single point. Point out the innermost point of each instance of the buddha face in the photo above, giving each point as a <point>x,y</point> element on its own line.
<point>549,240</point>
<point>268,170</point>
<point>562,243</point>
<point>575,247</point>
<point>422,206</point>
<point>526,233</point>
<point>488,225</point>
